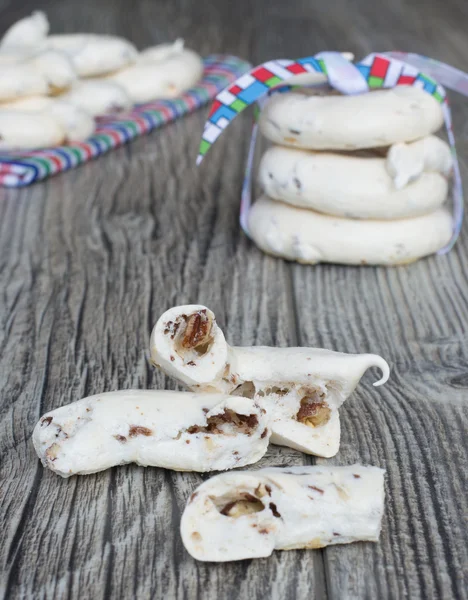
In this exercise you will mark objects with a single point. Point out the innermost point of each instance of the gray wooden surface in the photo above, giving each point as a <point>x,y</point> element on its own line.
<point>89,260</point>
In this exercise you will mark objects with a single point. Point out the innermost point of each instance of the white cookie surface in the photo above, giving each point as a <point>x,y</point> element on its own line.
<point>311,237</point>
<point>93,55</point>
<point>346,185</point>
<point>56,67</point>
<point>19,80</point>
<point>98,97</point>
<point>27,32</point>
<point>373,120</point>
<point>406,162</point>
<point>175,430</point>
<point>77,124</point>
<point>25,130</point>
<point>161,72</point>
<point>242,515</point>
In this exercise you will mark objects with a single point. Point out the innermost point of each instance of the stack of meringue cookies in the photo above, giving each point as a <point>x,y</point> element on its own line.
<point>353,179</point>
<point>240,400</point>
<point>53,86</point>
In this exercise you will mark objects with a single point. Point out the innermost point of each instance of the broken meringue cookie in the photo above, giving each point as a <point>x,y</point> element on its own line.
<point>187,344</point>
<point>300,388</point>
<point>182,431</point>
<point>248,514</point>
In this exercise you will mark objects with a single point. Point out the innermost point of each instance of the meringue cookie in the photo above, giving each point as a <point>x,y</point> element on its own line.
<point>301,389</point>
<point>310,237</point>
<point>175,430</point>
<point>373,120</point>
<point>411,180</point>
<point>160,72</point>
<point>249,514</point>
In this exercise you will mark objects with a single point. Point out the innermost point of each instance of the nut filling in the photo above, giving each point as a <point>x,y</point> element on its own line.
<point>193,333</point>
<point>227,421</point>
<point>313,412</point>
<point>246,505</point>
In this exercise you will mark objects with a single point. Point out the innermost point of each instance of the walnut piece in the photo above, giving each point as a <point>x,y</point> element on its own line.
<point>243,423</point>
<point>195,333</point>
<point>262,490</point>
<point>313,413</point>
<point>136,430</point>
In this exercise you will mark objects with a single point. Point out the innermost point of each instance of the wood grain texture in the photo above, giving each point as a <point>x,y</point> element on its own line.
<point>91,258</point>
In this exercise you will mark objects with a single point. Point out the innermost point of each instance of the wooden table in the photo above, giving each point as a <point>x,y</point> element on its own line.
<point>90,259</point>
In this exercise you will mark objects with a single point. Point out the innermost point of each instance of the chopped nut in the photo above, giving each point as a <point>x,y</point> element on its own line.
<point>313,411</point>
<point>120,438</point>
<point>275,390</point>
<point>246,390</point>
<point>51,452</point>
<point>227,508</point>
<point>239,508</point>
<point>249,497</point>
<point>274,510</point>
<point>244,423</point>
<point>196,333</point>
<point>46,421</point>
<point>136,430</point>
<point>262,490</point>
